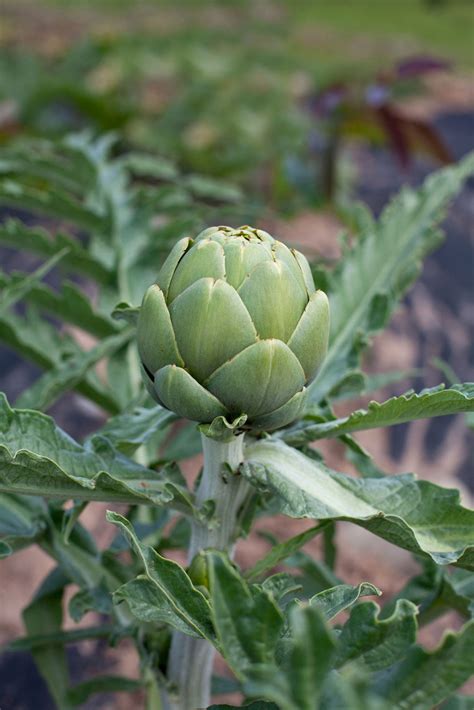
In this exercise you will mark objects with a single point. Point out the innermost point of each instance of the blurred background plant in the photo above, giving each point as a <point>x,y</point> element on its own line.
<point>265,92</point>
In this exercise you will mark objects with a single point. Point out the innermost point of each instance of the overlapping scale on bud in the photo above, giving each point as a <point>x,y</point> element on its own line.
<point>233,326</point>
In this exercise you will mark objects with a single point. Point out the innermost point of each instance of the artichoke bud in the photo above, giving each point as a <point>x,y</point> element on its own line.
<point>233,327</point>
<point>197,571</point>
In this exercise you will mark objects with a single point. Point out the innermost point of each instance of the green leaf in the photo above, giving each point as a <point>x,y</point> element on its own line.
<point>384,262</point>
<point>164,593</point>
<point>130,430</point>
<point>458,591</point>
<point>279,586</point>
<point>71,305</point>
<point>38,341</point>
<point>206,188</point>
<point>332,601</point>
<point>434,402</point>
<point>26,643</point>
<point>459,702</point>
<point>38,458</point>
<point>69,373</point>
<point>423,679</point>
<point>246,618</point>
<point>377,643</point>
<point>80,693</point>
<point>22,521</point>
<point>14,289</point>
<point>51,201</point>
<point>415,515</point>
<point>315,575</point>
<point>38,241</point>
<point>154,166</point>
<point>124,311</point>
<point>257,705</point>
<point>92,599</point>
<point>298,684</point>
<point>44,615</point>
<point>280,552</point>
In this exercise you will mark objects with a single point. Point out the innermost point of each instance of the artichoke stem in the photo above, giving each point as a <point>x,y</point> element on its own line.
<point>191,660</point>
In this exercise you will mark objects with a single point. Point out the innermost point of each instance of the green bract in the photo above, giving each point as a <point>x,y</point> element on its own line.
<point>233,327</point>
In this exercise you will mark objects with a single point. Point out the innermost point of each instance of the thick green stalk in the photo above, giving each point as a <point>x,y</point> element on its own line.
<point>191,660</point>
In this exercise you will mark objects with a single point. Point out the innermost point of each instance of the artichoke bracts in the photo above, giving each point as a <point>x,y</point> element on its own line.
<point>233,326</point>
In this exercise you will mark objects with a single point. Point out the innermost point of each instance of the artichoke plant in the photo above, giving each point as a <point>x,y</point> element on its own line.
<point>234,328</point>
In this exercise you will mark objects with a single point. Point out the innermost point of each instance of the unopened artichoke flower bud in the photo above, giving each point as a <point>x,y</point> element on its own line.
<point>233,327</point>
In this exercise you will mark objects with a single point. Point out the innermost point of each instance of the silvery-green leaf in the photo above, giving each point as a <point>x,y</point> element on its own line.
<point>38,458</point>
<point>164,592</point>
<point>281,551</point>
<point>130,430</point>
<point>334,600</point>
<point>298,684</point>
<point>246,619</point>
<point>424,678</point>
<point>383,263</point>
<point>70,372</point>
<point>22,519</point>
<point>434,402</point>
<point>373,642</point>
<point>37,241</point>
<point>416,515</point>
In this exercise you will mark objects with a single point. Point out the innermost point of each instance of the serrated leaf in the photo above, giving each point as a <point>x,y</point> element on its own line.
<point>332,601</point>
<point>38,341</point>
<point>15,289</point>
<point>257,705</point>
<point>164,593</point>
<point>79,694</point>
<point>315,575</point>
<point>93,599</point>
<point>72,306</point>
<point>280,586</point>
<point>208,188</point>
<point>458,702</point>
<point>246,618</point>
<point>130,430</point>
<point>69,373</point>
<point>415,515</point>
<point>50,201</point>
<point>38,458</point>
<point>298,684</point>
<point>44,615</point>
<point>38,241</point>
<point>26,643</point>
<point>381,266</point>
<point>423,679</point>
<point>124,311</point>
<point>22,520</point>
<point>281,551</point>
<point>377,643</point>
<point>434,402</point>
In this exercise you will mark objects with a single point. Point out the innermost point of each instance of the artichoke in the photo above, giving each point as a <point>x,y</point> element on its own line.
<point>234,328</point>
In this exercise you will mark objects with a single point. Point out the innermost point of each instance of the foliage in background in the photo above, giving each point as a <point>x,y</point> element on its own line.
<point>182,86</point>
